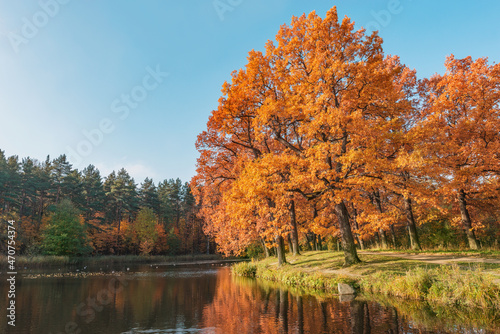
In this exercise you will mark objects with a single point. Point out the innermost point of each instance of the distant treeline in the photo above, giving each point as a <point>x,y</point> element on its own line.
<point>117,216</point>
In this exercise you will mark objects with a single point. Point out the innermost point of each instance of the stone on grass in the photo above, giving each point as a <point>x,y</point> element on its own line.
<point>346,289</point>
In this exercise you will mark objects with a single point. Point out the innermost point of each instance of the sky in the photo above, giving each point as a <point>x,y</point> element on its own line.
<point>129,83</point>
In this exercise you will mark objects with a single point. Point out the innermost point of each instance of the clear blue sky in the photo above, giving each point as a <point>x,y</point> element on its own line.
<point>70,66</point>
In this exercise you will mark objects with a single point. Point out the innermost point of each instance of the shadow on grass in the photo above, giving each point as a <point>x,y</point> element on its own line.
<point>393,265</point>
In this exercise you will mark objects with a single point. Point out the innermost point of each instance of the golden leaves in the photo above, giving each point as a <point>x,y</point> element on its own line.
<point>323,116</point>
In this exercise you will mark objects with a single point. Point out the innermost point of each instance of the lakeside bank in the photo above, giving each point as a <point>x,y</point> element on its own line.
<point>461,284</point>
<point>49,261</point>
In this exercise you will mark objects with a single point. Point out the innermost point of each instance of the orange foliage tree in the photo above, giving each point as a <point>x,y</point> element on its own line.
<point>317,117</point>
<point>461,120</point>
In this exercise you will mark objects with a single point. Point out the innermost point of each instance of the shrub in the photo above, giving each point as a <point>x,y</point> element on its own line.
<point>65,233</point>
<point>246,269</point>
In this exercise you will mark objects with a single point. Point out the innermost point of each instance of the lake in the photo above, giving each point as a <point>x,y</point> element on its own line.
<point>204,299</point>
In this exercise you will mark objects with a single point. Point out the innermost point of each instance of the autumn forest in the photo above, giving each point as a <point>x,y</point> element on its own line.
<point>323,138</point>
<point>63,211</point>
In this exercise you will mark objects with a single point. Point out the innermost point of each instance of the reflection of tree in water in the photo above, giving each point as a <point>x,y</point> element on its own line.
<point>283,317</point>
<point>395,322</point>
<point>408,314</point>
<point>360,317</point>
<point>227,303</point>
<point>292,311</point>
<point>300,314</point>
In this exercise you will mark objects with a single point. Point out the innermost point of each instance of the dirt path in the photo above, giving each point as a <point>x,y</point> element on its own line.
<point>434,258</point>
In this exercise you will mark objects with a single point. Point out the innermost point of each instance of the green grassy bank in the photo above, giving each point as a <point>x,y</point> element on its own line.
<point>464,285</point>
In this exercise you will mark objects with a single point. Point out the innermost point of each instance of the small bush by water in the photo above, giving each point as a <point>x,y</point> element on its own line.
<point>244,269</point>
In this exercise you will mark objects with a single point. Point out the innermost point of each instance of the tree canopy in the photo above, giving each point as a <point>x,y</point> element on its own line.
<point>324,133</point>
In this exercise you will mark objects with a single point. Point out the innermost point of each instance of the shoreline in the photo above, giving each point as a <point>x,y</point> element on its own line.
<point>464,284</point>
<point>49,261</point>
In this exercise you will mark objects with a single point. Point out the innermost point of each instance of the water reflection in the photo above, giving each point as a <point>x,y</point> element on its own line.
<point>208,300</point>
<point>145,300</point>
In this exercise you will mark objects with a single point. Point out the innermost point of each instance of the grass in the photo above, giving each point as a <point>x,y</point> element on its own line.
<point>462,285</point>
<point>414,284</point>
<point>445,285</point>
<point>332,262</point>
<point>291,276</point>
<point>245,269</point>
<point>41,261</point>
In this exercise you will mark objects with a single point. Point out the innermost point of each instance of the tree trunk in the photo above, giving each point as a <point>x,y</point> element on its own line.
<point>383,239</point>
<point>315,244</point>
<point>289,239</point>
<point>295,233</point>
<point>350,253</point>
<point>360,242</point>
<point>393,234</point>
<point>378,204</point>
<point>266,250</point>
<point>412,227</point>
<point>466,221</point>
<point>356,228</point>
<point>320,243</point>
<point>308,242</point>
<point>280,250</point>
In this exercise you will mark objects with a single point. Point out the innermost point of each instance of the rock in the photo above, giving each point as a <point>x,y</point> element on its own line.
<point>346,289</point>
<point>346,298</point>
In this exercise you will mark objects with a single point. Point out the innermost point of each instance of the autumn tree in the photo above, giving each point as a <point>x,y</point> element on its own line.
<point>324,100</point>
<point>461,121</point>
<point>229,141</point>
<point>146,230</point>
